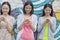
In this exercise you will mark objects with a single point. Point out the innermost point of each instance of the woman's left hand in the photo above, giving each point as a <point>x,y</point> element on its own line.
<point>5,21</point>
<point>29,22</point>
<point>49,22</point>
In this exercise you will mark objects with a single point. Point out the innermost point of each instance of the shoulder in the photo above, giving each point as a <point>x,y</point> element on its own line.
<point>53,18</point>
<point>11,17</point>
<point>21,15</point>
<point>34,16</point>
<point>41,18</point>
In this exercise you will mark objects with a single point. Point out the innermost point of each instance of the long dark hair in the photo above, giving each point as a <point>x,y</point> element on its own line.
<point>50,6</point>
<point>9,7</point>
<point>28,3</point>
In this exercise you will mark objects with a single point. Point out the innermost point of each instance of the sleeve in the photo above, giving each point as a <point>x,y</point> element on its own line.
<point>13,21</point>
<point>53,28</point>
<point>39,24</point>
<point>19,21</point>
<point>34,23</point>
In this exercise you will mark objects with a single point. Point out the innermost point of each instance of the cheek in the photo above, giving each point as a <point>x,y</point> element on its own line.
<point>30,9</point>
<point>47,11</point>
<point>5,10</point>
<point>27,10</point>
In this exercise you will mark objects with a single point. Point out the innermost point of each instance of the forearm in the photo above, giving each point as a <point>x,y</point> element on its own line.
<point>9,27</point>
<point>20,27</point>
<point>52,27</point>
<point>32,27</point>
<point>42,24</point>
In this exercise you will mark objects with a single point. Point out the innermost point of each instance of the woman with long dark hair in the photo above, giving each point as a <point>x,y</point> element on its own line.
<point>26,23</point>
<point>48,20</point>
<point>6,22</point>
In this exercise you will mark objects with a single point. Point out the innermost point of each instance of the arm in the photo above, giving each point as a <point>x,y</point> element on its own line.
<point>10,23</point>
<point>40,24</point>
<point>9,27</point>
<point>53,25</point>
<point>19,23</point>
<point>34,23</point>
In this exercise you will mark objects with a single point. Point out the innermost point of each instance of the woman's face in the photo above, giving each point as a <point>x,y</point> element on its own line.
<point>5,9</point>
<point>28,9</point>
<point>47,11</point>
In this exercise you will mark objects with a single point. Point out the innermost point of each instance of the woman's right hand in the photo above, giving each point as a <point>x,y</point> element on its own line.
<point>20,27</point>
<point>2,19</point>
<point>24,22</point>
<point>46,21</point>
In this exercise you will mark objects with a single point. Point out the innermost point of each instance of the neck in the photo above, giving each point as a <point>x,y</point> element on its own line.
<point>5,14</point>
<point>28,14</point>
<point>47,16</point>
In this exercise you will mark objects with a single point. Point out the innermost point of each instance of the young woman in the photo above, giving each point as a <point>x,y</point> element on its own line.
<point>47,17</point>
<point>26,23</point>
<point>6,22</point>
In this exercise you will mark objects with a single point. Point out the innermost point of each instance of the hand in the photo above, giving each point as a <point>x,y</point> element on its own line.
<point>1,19</point>
<point>26,21</point>
<point>5,20</point>
<point>47,20</point>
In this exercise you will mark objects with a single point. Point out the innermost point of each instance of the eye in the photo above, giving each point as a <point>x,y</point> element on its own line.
<point>5,8</point>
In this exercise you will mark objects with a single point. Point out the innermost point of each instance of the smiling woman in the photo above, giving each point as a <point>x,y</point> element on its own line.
<point>26,23</point>
<point>6,22</point>
<point>47,24</point>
